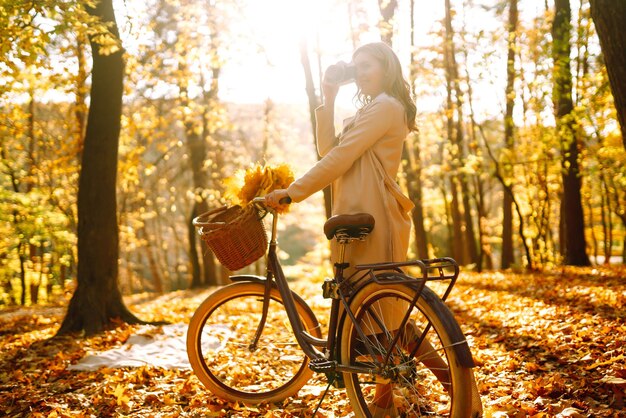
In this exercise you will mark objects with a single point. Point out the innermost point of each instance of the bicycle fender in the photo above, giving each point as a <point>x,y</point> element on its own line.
<point>454,330</point>
<point>248,278</point>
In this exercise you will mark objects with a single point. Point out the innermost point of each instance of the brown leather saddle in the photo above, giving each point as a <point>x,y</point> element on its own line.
<point>355,226</point>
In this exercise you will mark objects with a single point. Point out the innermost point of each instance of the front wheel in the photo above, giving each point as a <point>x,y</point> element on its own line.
<point>432,383</point>
<point>219,338</point>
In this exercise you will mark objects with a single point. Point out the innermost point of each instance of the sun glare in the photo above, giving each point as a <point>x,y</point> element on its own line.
<point>267,63</point>
<point>262,59</point>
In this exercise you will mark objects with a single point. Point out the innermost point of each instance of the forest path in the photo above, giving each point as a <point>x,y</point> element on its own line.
<point>546,344</point>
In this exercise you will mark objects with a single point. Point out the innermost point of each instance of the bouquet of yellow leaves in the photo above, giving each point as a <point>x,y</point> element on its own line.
<point>257,181</point>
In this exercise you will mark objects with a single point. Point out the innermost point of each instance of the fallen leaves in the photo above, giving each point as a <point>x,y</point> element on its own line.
<point>544,342</point>
<point>546,345</point>
<point>606,363</point>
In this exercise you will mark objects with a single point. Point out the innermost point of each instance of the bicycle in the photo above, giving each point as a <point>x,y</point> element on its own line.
<point>391,340</point>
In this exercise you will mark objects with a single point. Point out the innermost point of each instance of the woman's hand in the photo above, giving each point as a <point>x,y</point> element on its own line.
<point>273,199</point>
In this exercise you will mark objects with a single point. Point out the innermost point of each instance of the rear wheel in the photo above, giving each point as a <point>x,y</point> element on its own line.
<point>432,383</point>
<point>218,345</point>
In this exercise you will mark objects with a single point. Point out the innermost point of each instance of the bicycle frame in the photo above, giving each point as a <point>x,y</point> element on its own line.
<point>393,274</point>
<point>276,278</point>
<point>308,343</point>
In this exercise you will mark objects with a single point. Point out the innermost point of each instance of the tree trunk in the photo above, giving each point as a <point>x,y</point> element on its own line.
<point>97,299</point>
<point>594,238</point>
<point>609,17</point>
<point>49,282</point>
<point>197,134</point>
<point>608,233</point>
<point>509,189</point>
<point>413,170</point>
<point>483,253</point>
<point>449,222</point>
<point>545,228</point>
<point>197,155</point>
<point>464,241</point>
<point>410,151</point>
<point>574,225</point>
<point>354,36</point>
<point>470,235</point>
<point>155,270</point>
<point>413,162</point>
<point>314,102</point>
<point>22,257</point>
<point>387,11</point>
<point>619,210</point>
<point>509,126</point>
<point>208,260</point>
<point>458,238</point>
<point>484,256</point>
<point>467,224</point>
<point>196,280</point>
<point>80,106</point>
<point>30,182</point>
<point>562,227</point>
<point>34,293</point>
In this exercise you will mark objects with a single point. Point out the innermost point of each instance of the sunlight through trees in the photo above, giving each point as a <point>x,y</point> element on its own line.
<point>514,113</point>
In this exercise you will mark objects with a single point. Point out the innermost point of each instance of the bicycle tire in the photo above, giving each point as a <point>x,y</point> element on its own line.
<point>414,387</point>
<point>217,345</point>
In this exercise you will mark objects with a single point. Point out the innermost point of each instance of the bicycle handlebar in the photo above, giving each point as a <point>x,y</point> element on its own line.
<point>261,200</point>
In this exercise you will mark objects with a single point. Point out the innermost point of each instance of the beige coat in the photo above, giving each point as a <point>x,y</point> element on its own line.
<point>361,164</point>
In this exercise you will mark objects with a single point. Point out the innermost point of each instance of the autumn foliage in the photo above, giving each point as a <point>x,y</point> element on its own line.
<point>256,181</point>
<point>489,186</point>
<point>546,345</point>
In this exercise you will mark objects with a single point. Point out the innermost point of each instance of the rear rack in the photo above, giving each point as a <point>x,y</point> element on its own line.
<point>435,269</point>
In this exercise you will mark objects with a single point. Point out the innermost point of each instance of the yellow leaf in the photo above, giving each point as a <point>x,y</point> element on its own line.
<point>256,181</point>
<point>605,363</point>
<point>121,398</point>
<point>168,399</point>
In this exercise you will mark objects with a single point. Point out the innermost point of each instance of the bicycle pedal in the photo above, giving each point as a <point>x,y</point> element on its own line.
<point>322,365</point>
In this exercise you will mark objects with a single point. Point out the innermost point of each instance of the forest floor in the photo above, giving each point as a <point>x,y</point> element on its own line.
<point>547,345</point>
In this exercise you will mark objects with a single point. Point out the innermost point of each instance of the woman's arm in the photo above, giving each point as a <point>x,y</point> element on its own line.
<point>325,119</point>
<point>371,125</point>
<point>325,129</point>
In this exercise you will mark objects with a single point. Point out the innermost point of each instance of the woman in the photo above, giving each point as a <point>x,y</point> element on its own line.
<point>361,164</point>
<point>363,161</point>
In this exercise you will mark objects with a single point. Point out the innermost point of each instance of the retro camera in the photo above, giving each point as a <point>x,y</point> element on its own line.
<point>340,73</point>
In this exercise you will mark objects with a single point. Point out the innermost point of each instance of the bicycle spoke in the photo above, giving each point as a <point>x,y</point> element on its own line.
<point>219,346</point>
<point>405,385</point>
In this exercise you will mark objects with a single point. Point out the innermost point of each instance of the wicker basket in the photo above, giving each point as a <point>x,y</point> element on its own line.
<point>236,235</point>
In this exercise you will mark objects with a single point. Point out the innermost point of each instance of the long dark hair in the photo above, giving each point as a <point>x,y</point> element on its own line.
<point>395,84</point>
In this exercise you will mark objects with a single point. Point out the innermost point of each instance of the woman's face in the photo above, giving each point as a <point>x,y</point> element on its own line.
<point>370,74</point>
